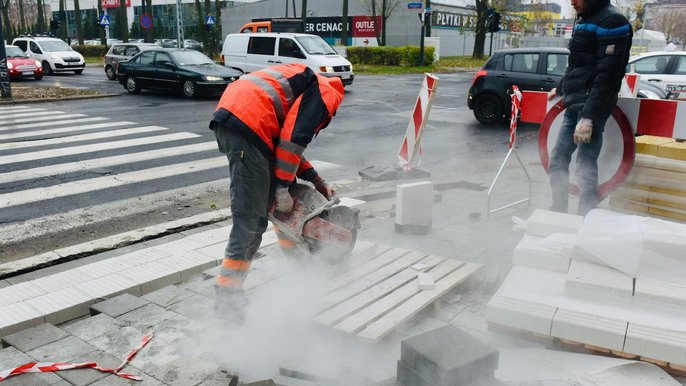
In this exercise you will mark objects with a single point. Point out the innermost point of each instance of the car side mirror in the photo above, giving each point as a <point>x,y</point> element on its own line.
<point>299,55</point>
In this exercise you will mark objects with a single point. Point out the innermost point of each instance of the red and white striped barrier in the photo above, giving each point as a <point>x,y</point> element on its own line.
<point>659,117</point>
<point>516,101</point>
<point>413,137</point>
<point>630,86</point>
<point>49,367</point>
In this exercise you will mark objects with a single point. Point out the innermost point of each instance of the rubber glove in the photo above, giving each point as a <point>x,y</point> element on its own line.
<point>325,188</point>
<point>552,94</point>
<point>283,199</point>
<point>583,131</point>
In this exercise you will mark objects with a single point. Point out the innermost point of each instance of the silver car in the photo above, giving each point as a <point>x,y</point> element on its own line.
<point>122,52</point>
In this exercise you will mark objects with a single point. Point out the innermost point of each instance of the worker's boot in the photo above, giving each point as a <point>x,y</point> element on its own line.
<point>230,304</point>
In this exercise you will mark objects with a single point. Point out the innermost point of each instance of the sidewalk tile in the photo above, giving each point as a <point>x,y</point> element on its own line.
<point>63,350</point>
<point>146,317</point>
<point>159,352</point>
<point>113,380</point>
<point>11,357</point>
<point>84,377</point>
<point>168,295</point>
<point>34,337</point>
<point>196,307</point>
<point>92,327</point>
<point>119,342</point>
<point>110,286</point>
<point>19,292</point>
<point>62,305</point>
<point>186,371</point>
<point>118,305</point>
<point>17,317</point>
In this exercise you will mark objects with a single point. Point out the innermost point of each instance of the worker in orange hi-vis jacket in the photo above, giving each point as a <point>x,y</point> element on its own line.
<point>263,123</point>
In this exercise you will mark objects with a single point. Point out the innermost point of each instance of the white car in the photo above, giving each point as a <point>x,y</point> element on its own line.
<point>54,54</point>
<point>664,69</point>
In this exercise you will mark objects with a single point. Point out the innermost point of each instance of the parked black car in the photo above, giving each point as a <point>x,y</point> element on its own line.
<point>536,69</point>
<point>188,71</point>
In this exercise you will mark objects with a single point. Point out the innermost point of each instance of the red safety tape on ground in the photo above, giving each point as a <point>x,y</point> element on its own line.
<point>49,367</point>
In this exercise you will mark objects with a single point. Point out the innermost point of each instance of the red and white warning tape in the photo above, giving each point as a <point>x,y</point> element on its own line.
<point>48,367</point>
<point>516,101</point>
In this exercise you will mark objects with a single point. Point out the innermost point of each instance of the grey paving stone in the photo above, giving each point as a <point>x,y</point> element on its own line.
<point>113,380</point>
<point>11,357</point>
<point>269,382</point>
<point>168,295</point>
<point>35,337</point>
<point>83,377</point>
<point>92,327</point>
<point>445,356</point>
<point>118,342</point>
<point>197,307</point>
<point>200,286</point>
<point>64,350</point>
<point>220,378</point>
<point>186,371</point>
<point>4,283</point>
<point>118,305</point>
<point>146,317</point>
<point>179,328</point>
<point>157,353</point>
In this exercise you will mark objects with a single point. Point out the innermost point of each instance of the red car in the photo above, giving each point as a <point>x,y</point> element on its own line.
<point>20,65</point>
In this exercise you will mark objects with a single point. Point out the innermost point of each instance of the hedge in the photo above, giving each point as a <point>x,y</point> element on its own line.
<point>91,50</point>
<point>404,56</point>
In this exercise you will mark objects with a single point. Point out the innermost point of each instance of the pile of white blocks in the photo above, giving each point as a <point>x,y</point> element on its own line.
<point>611,281</point>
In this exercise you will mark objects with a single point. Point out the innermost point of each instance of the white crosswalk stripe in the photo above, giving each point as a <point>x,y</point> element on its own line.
<point>51,123</point>
<point>64,130</point>
<point>35,118</point>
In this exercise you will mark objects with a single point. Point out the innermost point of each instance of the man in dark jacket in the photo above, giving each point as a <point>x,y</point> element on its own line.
<point>599,52</point>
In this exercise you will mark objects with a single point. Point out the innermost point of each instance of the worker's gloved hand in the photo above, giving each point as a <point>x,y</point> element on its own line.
<point>583,131</point>
<point>325,188</point>
<point>283,200</point>
<point>552,94</point>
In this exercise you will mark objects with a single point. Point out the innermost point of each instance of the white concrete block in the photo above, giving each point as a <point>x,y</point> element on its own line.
<point>657,343</point>
<point>108,286</point>
<point>351,202</point>
<point>101,268</point>
<point>180,246</point>
<point>520,314</point>
<point>544,222</point>
<point>413,204</point>
<point>426,281</point>
<point>661,291</point>
<point>589,329</point>
<point>212,236</point>
<point>530,252</point>
<point>17,317</point>
<point>62,280</point>
<point>62,305</point>
<point>153,276</point>
<point>142,256</point>
<point>589,277</point>
<point>19,292</point>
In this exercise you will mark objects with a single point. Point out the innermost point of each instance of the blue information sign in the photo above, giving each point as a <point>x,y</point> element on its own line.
<point>415,5</point>
<point>209,20</point>
<point>104,20</point>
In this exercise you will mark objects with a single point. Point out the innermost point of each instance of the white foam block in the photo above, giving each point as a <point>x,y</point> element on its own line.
<point>589,329</point>
<point>661,291</point>
<point>544,222</point>
<point>532,252</point>
<point>520,314</point>
<point>657,343</point>
<point>414,203</point>
<point>425,281</point>
<point>590,278</point>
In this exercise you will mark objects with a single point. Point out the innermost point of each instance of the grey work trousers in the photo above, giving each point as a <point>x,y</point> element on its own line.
<point>251,190</point>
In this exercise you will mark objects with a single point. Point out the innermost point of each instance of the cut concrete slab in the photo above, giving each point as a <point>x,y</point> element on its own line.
<point>168,295</point>
<point>657,343</point>
<point>589,329</point>
<point>531,252</point>
<point>589,277</point>
<point>35,337</point>
<point>544,222</point>
<point>520,314</point>
<point>661,291</point>
<point>414,204</point>
<point>118,305</point>
<point>92,327</point>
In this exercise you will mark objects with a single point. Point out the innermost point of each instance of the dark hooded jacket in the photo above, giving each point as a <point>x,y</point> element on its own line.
<point>599,52</point>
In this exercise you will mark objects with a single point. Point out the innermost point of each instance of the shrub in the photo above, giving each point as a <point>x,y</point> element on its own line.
<point>91,51</point>
<point>405,56</point>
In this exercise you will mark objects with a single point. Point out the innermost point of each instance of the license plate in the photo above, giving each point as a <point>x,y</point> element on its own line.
<point>27,73</point>
<point>676,87</point>
<point>345,76</point>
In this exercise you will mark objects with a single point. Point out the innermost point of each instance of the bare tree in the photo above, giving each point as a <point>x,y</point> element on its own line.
<point>40,16</point>
<point>123,21</point>
<point>670,21</point>
<point>344,29</point>
<point>480,6</point>
<point>77,18</point>
<point>6,22</point>
<point>21,16</point>
<point>387,8</point>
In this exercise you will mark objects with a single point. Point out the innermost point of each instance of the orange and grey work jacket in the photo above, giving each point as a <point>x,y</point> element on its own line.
<point>280,109</point>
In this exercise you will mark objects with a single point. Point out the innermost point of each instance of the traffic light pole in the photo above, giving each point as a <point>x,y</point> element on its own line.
<point>5,87</point>
<point>490,46</point>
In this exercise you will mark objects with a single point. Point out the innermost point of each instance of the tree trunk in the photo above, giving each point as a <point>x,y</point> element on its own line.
<point>63,23</point>
<point>79,26</point>
<point>376,25</point>
<point>383,22</point>
<point>149,33</point>
<point>123,21</point>
<point>218,24</point>
<point>344,29</point>
<point>22,22</point>
<point>103,40</point>
<point>6,21</point>
<point>481,7</point>
<point>201,23</point>
<point>427,24</point>
<point>41,16</point>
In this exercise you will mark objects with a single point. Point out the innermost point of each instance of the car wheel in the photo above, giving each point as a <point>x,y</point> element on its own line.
<point>38,77</point>
<point>109,71</point>
<point>488,109</point>
<point>78,72</point>
<point>47,69</point>
<point>189,89</point>
<point>131,85</point>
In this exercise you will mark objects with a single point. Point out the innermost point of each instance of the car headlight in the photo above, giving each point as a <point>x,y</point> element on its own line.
<point>351,68</point>
<point>326,69</point>
<point>213,78</point>
<point>38,64</point>
<point>10,65</point>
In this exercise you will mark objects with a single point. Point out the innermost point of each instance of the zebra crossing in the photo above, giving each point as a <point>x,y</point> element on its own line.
<point>63,170</point>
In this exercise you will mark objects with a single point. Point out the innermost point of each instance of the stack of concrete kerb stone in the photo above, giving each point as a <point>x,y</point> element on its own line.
<point>447,356</point>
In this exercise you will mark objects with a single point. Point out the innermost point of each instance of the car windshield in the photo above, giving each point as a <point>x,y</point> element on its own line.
<point>314,45</point>
<point>15,52</point>
<point>54,46</point>
<point>185,58</point>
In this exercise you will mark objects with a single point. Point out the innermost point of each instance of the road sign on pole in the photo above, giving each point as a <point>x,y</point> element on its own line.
<point>209,20</point>
<point>146,21</point>
<point>104,21</point>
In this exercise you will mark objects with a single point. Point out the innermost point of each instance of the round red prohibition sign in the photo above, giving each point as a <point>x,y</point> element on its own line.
<point>617,130</point>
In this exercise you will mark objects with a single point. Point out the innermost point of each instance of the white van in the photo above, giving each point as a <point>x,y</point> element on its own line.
<point>54,54</point>
<point>250,52</point>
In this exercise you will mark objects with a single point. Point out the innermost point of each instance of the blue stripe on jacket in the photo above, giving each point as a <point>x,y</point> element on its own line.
<point>600,31</point>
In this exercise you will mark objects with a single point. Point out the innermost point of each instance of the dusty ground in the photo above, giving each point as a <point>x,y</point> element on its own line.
<point>20,93</point>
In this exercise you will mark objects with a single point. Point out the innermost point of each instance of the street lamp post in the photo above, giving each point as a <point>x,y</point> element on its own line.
<point>5,88</point>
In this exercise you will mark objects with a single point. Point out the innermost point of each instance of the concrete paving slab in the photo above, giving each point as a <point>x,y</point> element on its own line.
<point>110,286</point>
<point>179,328</point>
<point>10,357</point>
<point>201,285</point>
<point>196,307</point>
<point>220,378</point>
<point>63,350</point>
<point>35,337</point>
<point>84,377</point>
<point>186,371</point>
<point>62,305</point>
<point>146,318</point>
<point>118,342</point>
<point>17,317</point>
<point>159,352</point>
<point>92,327</point>
<point>168,295</point>
<point>4,283</point>
<point>113,380</point>
<point>118,305</point>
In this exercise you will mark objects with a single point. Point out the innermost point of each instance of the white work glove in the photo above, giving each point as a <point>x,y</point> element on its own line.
<point>552,94</point>
<point>323,187</point>
<point>583,131</point>
<point>283,200</point>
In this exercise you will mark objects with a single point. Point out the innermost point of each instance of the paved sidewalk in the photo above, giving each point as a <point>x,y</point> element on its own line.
<point>98,308</point>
